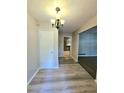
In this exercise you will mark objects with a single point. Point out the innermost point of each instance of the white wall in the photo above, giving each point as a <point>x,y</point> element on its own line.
<point>56,48</point>
<point>32,48</point>
<point>75,36</point>
<point>61,42</point>
<point>75,46</point>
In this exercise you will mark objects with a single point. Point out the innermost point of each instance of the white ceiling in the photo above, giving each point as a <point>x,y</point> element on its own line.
<point>74,12</point>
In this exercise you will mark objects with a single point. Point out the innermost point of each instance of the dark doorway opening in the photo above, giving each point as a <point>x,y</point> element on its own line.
<point>67,46</point>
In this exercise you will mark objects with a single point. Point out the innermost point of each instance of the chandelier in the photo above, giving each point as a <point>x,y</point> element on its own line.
<point>57,22</point>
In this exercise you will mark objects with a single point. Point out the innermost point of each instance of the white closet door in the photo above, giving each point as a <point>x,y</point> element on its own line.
<point>48,57</point>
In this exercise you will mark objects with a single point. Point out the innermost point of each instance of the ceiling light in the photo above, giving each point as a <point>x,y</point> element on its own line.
<point>57,22</point>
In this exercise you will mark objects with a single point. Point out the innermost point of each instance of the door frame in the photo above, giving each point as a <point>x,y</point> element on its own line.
<point>70,46</point>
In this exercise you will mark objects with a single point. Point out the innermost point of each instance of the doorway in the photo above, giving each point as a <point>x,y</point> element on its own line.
<point>87,53</point>
<point>67,46</point>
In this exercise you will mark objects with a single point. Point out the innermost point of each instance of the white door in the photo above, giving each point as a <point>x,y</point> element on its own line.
<point>48,57</point>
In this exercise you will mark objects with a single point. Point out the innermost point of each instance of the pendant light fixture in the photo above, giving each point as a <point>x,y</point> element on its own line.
<point>57,22</point>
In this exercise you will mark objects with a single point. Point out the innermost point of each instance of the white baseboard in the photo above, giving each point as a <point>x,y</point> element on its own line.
<point>33,76</point>
<point>74,58</point>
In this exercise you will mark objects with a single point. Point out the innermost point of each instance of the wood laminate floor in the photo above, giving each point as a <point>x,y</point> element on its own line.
<point>69,78</point>
<point>89,64</point>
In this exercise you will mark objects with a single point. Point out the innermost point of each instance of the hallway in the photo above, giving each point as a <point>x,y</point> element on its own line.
<point>70,77</point>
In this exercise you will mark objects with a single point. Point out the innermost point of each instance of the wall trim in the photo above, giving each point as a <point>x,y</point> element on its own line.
<point>74,58</point>
<point>33,76</point>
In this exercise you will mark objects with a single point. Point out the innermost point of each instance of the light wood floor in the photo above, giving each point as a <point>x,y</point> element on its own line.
<point>69,78</point>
